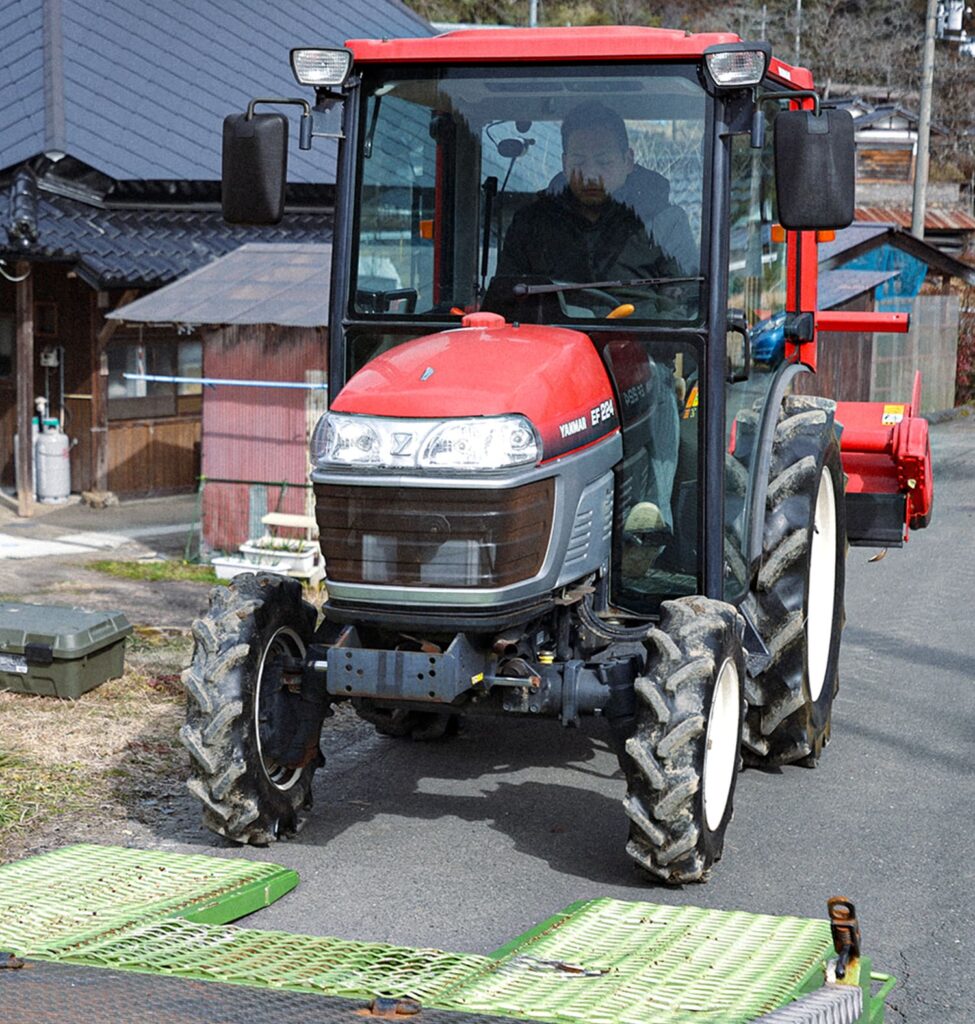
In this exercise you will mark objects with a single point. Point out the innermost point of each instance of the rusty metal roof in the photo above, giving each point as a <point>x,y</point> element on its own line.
<point>259,283</point>
<point>935,218</point>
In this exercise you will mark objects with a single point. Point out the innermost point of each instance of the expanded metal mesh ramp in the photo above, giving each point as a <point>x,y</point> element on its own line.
<point>280,960</point>
<point>81,892</point>
<point>611,962</point>
<point>55,993</point>
<point>103,911</point>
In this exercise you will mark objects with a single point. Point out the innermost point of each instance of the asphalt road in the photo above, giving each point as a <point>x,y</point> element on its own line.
<point>466,844</point>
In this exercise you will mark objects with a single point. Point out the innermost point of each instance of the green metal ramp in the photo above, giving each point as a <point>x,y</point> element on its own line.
<point>79,893</point>
<point>601,961</point>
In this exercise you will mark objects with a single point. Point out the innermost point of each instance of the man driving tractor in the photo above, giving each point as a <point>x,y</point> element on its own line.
<point>605,217</point>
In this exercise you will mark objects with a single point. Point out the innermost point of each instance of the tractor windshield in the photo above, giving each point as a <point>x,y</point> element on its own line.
<point>484,188</point>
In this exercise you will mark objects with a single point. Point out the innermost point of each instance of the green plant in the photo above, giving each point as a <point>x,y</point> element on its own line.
<point>289,544</point>
<point>157,571</point>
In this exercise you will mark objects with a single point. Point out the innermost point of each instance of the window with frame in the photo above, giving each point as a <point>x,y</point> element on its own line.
<point>757,281</point>
<point>131,360</point>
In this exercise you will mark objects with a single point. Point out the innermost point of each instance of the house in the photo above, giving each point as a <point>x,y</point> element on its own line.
<point>886,158</point>
<point>884,268</point>
<point>109,188</point>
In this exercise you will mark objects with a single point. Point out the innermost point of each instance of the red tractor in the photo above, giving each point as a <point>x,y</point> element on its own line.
<point>552,480</point>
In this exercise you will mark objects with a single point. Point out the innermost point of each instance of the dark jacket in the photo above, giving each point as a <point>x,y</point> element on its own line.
<point>551,239</point>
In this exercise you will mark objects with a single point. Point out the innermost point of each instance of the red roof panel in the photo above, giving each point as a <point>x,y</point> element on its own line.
<point>605,42</point>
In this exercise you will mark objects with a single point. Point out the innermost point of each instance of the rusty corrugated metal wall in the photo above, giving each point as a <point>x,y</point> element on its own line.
<point>255,440</point>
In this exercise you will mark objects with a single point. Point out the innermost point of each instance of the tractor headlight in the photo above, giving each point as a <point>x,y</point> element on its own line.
<point>472,443</point>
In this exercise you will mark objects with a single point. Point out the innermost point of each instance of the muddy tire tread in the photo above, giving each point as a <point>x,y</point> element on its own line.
<point>239,802</point>
<point>782,724</point>
<point>664,757</point>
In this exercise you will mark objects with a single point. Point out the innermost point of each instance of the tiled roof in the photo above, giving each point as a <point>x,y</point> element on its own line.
<point>138,89</point>
<point>145,248</point>
<point>258,283</point>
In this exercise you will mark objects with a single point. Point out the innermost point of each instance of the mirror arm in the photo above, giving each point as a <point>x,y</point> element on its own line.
<point>792,94</point>
<point>313,123</point>
<point>305,125</point>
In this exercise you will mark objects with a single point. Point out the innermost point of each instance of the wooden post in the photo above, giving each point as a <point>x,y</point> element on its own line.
<point>25,389</point>
<point>99,396</point>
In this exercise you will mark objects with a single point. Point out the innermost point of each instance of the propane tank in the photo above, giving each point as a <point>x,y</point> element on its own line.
<point>52,451</point>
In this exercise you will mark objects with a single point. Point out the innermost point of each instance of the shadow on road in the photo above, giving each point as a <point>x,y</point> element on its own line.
<point>555,793</point>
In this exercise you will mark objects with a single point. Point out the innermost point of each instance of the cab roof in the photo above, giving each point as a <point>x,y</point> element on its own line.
<point>607,42</point>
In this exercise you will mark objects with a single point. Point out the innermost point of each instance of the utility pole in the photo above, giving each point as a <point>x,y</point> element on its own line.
<point>798,31</point>
<point>922,162</point>
<point>533,14</point>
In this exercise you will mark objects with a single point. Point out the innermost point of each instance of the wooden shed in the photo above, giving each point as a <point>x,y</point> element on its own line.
<point>259,314</point>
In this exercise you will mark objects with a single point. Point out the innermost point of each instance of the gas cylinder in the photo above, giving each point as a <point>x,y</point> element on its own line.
<point>52,451</point>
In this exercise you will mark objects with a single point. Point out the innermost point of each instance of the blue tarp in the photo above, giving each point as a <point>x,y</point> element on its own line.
<point>896,295</point>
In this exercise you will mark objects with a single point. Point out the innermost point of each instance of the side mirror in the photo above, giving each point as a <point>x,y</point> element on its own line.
<point>255,168</point>
<point>815,169</point>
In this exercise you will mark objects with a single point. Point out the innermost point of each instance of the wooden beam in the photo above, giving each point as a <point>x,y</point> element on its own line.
<point>111,326</point>
<point>24,304</point>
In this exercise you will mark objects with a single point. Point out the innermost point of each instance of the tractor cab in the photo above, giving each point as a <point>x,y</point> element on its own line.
<point>456,199</point>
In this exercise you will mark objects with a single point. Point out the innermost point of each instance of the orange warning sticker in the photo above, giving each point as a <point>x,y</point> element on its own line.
<point>892,414</point>
<point>690,406</point>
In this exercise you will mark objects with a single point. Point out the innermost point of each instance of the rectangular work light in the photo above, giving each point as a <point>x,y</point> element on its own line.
<point>321,67</point>
<point>737,65</point>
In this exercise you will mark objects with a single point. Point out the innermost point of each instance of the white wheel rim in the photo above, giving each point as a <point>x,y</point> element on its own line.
<point>822,586</point>
<point>280,777</point>
<point>721,744</point>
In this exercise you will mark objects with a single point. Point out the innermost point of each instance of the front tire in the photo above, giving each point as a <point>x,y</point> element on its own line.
<point>682,761</point>
<point>797,600</point>
<point>244,709</point>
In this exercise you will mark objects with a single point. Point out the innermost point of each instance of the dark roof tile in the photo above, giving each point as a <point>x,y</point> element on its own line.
<point>146,248</point>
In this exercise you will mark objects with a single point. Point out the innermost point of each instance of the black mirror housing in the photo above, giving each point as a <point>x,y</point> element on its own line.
<point>255,168</point>
<point>815,169</point>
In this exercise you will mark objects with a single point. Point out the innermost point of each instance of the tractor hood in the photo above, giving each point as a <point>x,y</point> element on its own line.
<point>489,367</point>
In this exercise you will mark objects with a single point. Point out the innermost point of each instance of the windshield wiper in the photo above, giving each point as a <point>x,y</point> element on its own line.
<point>549,289</point>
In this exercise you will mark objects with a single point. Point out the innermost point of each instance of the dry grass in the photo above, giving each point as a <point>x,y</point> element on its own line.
<point>111,749</point>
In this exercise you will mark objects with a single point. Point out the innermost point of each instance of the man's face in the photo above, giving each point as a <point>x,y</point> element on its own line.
<point>594,164</point>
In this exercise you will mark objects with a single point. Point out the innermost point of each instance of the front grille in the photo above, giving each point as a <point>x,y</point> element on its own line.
<point>434,537</point>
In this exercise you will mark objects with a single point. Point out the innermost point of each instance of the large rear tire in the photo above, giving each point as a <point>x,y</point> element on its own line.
<point>244,704</point>
<point>797,600</point>
<point>682,761</point>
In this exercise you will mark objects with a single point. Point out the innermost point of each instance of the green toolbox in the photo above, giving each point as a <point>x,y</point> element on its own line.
<point>58,651</point>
